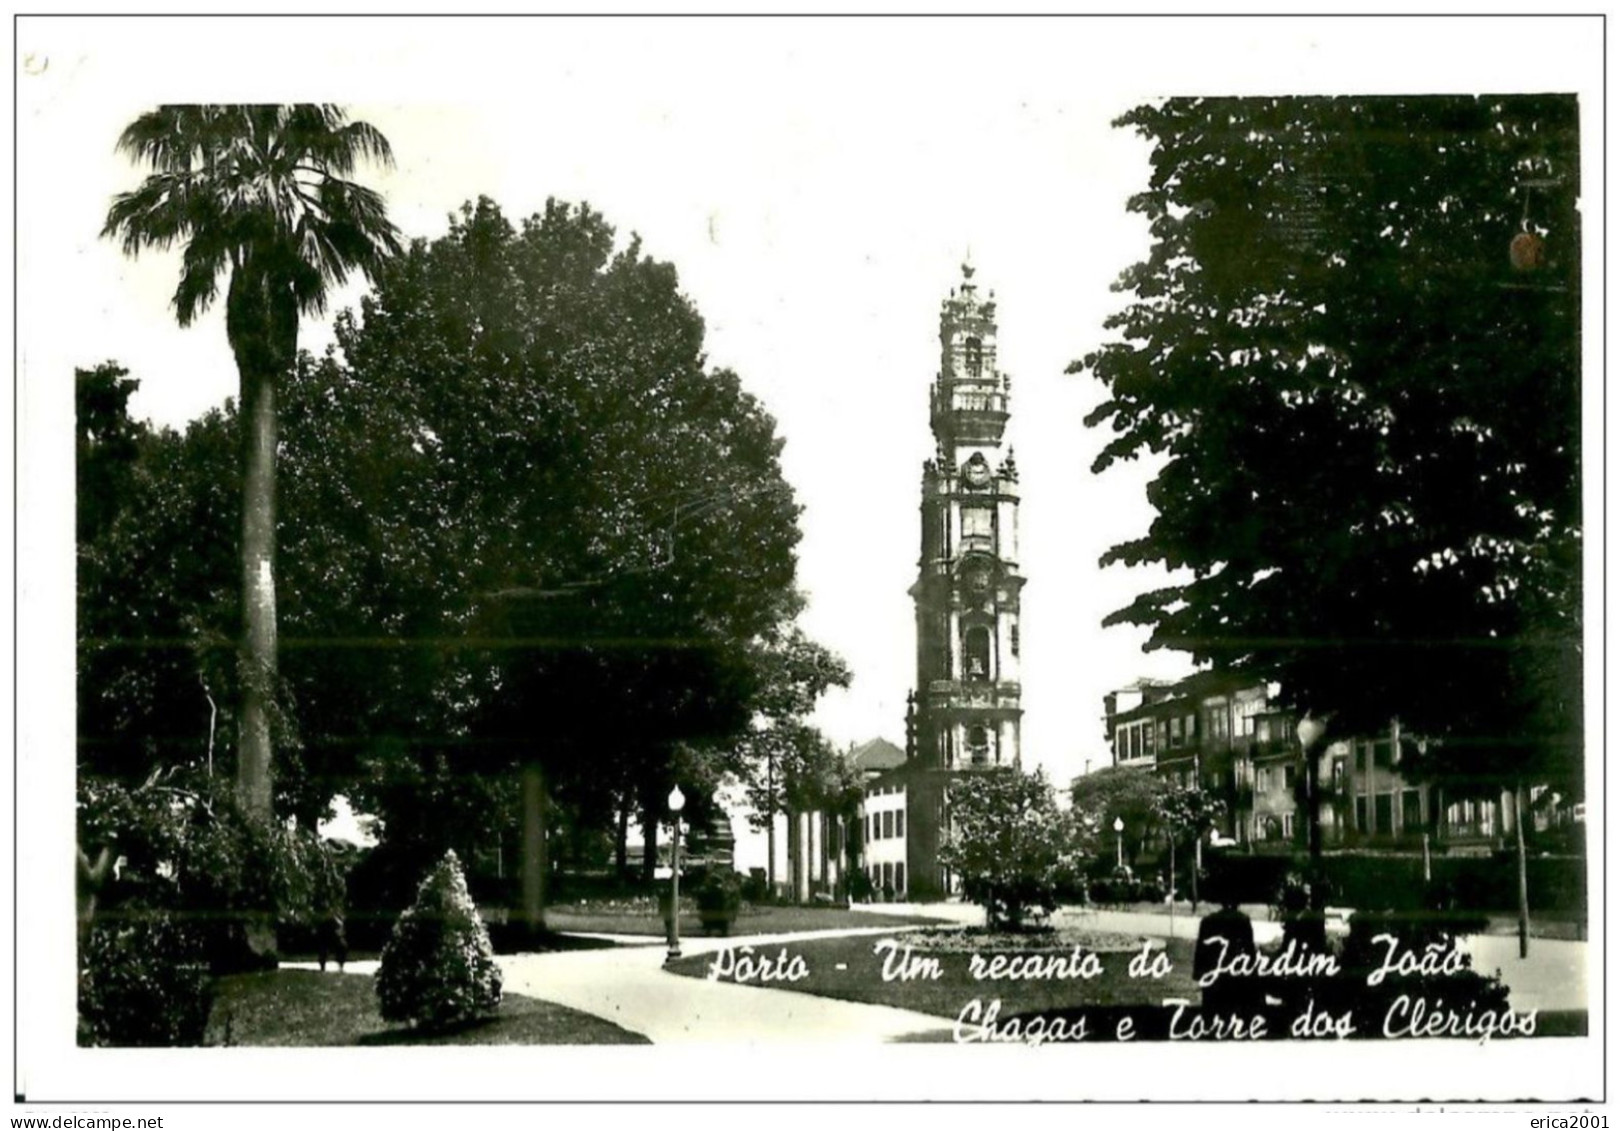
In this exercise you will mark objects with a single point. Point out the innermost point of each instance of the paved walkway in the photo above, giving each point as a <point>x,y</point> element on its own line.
<point>629,986</point>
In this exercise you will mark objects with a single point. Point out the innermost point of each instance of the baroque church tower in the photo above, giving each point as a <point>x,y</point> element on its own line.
<point>965,713</point>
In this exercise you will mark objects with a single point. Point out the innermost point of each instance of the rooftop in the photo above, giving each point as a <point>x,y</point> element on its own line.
<point>879,754</point>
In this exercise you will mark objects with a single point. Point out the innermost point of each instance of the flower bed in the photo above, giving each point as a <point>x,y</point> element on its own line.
<point>985,941</point>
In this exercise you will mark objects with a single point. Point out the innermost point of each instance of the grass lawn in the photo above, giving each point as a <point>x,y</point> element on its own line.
<point>862,980</point>
<point>640,917</point>
<point>308,1008</point>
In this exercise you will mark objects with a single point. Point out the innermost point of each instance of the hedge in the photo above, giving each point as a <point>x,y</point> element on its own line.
<point>1557,884</point>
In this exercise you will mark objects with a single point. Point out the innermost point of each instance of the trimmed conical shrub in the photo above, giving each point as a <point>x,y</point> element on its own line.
<point>438,967</point>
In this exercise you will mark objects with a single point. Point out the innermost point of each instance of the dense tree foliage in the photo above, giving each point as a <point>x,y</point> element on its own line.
<point>559,527</point>
<point>1132,795</point>
<point>784,761</point>
<point>1011,846</point>
<point>1354,347</point>
<point>156,586</point>
<point>520,521</point>
<point>260,194</point>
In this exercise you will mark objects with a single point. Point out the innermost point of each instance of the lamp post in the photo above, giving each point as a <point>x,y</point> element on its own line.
<point>677,802</point>
<point>1119,841</point>
<point>1310,731</point>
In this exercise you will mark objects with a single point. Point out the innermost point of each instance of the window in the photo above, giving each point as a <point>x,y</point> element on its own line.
<point>1381,754</point>
<point>1411,809</point>
<point>1361,757</point>
<point>1175,733</point>
<point>1288,777</point>
<point>978,745</point>
<point>1288,826</point>
<point>888,880</point>
<point>978,653</point>
<point>978,522</point>
<point>1361,814</point>
<point>1384,813</point>
<point>975,357</point>
<point>1217,723</point>
<point>1014,638</point>
<point>900,822</point>
<point>900,877</point>
<point>1262,779</point>
<point>1246,710</point>
<point>888,823</point>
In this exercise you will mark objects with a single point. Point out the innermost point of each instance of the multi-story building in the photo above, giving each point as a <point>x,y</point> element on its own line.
<point>1228,737</point>
<point>882,816</point>
<point>966,712</point>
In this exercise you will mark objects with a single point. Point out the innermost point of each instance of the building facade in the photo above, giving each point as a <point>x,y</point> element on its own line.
<point>1228,737</point>
<point>965,714</point>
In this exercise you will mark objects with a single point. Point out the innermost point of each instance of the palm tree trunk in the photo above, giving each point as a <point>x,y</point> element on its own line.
<point>261,321</point>
<point>258,659</point>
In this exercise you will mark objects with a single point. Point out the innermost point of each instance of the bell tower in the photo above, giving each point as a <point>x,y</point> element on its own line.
<point>967,594</point>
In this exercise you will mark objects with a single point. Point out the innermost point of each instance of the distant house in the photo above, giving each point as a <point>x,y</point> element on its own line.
<point>1228,736</point>
<point>881,820</point>
<point>822,846</point>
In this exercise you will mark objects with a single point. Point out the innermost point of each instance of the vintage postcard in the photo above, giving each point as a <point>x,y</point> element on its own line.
<point>905,558</point>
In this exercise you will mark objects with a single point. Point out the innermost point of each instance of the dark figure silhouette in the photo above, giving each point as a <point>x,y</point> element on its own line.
<point>331,941</point>
<point>1303,925</point>
<point>1222,936</point>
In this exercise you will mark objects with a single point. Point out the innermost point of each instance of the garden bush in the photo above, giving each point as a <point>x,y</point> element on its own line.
<point>719,897</point>
<point>1011,846</point>
<point>143,982</point>
<point>439,968</point>
<point>187,848</point>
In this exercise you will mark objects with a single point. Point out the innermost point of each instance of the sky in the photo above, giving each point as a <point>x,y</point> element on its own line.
<point>817,183</point>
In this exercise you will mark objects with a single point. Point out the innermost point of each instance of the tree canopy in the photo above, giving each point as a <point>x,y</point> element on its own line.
<point>1011,846</point>
<point>520,519</point>
<point>1354,348</point>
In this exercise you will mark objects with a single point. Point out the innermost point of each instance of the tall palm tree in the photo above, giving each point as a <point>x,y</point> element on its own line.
<point>258,193</point>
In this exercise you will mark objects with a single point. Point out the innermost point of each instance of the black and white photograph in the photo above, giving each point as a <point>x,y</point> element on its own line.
<point>809,558</point>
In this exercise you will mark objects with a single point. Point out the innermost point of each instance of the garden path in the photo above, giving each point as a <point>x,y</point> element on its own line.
<point>627,985</point>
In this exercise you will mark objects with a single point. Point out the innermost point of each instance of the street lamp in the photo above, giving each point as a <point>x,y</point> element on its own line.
<point>1119,841</point>
<point>677,802</point>
<point>1310,731</point>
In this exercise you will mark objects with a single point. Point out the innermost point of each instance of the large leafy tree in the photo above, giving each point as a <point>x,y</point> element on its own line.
<point>259,195</point>
<point>533,525</point>
<point>154,584</point>
<point>1011,846</point>
<point>1354,350</point>
<point>1132,795</point>
<point>784,761</point>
